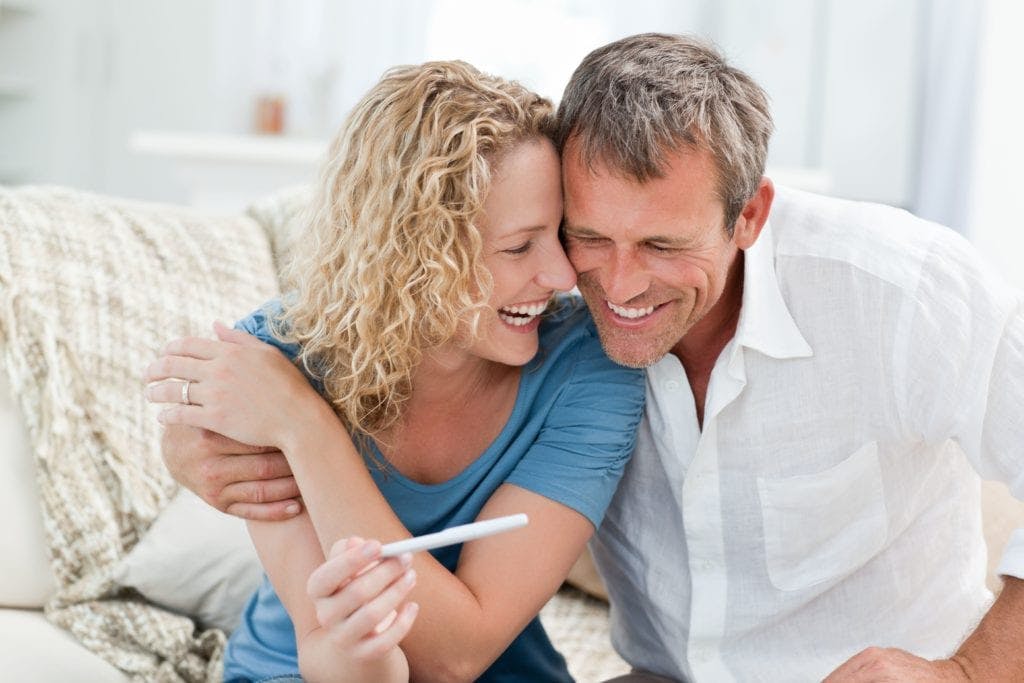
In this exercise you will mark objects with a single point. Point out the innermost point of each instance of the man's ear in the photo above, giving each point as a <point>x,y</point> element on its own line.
<point>754,215</point>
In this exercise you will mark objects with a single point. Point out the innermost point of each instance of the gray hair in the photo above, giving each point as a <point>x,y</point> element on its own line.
<point>632,102</point>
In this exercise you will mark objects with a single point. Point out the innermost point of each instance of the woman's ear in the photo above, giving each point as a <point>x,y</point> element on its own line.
<point>754,215</point>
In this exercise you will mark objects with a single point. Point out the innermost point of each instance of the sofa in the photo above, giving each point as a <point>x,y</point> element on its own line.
<point>110,572</point>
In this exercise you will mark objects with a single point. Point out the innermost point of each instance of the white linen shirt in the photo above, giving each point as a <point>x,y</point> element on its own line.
<point>827,505</point>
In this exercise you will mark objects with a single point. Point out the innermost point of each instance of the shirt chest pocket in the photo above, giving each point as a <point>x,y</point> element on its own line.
<point>820,527</point>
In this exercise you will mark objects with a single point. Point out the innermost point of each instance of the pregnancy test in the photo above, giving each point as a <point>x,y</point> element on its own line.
<point>455,534</point>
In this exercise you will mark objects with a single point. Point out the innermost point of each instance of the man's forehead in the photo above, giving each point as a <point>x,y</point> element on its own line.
<point>579,169</point>
<point>680,204</point>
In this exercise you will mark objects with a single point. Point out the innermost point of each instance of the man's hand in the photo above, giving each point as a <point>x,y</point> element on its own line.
<point>993,653</point>
<point>252,482</point>
<point>889,665</point>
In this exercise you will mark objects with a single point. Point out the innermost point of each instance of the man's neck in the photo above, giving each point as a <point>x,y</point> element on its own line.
<point>703,343</point>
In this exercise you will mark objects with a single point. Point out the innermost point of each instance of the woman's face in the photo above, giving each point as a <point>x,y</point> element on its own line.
<point>521,249</point>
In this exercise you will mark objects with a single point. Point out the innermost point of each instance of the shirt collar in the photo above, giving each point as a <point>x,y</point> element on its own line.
<point>765,323</point>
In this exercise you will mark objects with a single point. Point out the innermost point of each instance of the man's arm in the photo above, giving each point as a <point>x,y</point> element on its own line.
<point>253,482</point>
<point>994,652</point>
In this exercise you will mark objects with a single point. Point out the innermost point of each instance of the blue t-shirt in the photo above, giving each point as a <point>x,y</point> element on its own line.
<point>570,433</point>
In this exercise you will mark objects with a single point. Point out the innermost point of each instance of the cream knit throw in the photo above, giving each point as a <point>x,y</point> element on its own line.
<point>90,289</point>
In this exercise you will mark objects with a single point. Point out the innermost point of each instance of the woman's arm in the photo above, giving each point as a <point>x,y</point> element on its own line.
<point>349,628</point>
<point>466,619</point>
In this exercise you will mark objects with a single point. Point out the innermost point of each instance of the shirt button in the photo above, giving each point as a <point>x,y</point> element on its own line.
<point>672,385</point>
<point>707,565</point>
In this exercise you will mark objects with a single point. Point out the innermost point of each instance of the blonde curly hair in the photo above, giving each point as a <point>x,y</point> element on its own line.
<point>390,264</point>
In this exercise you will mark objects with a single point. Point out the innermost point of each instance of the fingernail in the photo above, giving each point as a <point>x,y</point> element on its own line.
<point>410,577</point>
<point>405,559</point>
<point>292,508</point>
<point>370,548</point>
<point>161,416</point>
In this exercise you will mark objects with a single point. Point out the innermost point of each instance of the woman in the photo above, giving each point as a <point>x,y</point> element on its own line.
<point>416,311</point>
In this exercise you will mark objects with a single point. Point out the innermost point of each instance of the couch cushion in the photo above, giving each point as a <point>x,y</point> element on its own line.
<point>90,289</point>
<point>282,216</point>
<point>28,580</point>
<point>35,650</point>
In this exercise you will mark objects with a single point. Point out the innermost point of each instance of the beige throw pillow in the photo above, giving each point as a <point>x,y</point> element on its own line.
<point>196,561</point>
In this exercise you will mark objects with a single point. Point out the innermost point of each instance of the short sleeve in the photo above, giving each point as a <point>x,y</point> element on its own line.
<point>1002,453</point>
<point>961,354</point>
<point>588,435</point>
<point>966,377</point>
<point>257,324</point>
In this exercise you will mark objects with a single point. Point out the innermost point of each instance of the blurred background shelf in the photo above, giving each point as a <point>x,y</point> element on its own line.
<point>257,149</point>
<point>226,172</point>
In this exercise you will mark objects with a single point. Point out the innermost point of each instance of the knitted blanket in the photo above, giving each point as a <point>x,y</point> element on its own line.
<point>90,289</point>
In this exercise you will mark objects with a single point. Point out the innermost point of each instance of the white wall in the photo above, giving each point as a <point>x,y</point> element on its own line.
<point>997,180</point>
<point>845,78</point>
<point>99,69</point>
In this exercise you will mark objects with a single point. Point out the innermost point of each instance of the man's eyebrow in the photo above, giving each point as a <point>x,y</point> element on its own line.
<point>663,240</point>
<point>582,232</point>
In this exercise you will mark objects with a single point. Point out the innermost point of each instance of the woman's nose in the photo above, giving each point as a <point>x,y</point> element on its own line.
<point>557,273</point>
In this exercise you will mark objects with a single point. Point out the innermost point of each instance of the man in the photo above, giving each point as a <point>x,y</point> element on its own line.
<point>808,497</point>
<point>822,376</point>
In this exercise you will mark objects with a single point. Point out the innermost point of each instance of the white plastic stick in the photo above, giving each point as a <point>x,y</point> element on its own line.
<point>455,534</point>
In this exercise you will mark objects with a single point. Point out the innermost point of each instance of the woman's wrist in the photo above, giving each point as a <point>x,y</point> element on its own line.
<point>321,660</point>
<point>311,422</point>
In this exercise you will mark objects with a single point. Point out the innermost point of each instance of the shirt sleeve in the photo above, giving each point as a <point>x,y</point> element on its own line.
<point>587,436</point>
<point>257,324</point>
<point>1002,436</point>
<point>966,378</point>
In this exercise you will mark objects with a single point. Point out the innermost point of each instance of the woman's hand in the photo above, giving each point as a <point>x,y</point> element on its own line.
<point>358,599</point>
<point>237,386</point>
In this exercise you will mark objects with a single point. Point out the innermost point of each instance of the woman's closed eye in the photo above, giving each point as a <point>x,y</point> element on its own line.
<point>521,249</point>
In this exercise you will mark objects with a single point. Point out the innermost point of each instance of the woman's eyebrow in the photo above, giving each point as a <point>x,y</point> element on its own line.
<point>530,229</point>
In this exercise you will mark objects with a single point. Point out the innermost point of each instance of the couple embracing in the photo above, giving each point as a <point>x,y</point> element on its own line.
<point>770,424</point>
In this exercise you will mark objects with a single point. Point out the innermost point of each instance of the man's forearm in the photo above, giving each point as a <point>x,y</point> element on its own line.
<point>248,481</point>
<point>995,650</point>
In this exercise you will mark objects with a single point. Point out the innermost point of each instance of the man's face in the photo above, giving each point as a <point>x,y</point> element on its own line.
<point>653,258</point>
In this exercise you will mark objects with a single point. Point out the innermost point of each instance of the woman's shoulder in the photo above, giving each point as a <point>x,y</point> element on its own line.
<point>565,324</point>
<point>568,335</point>
<point>261,324</point>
